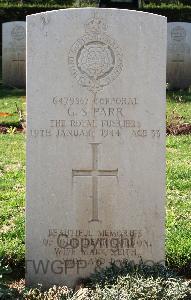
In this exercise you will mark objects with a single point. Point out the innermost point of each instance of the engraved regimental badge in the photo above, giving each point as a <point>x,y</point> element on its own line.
<point>95,59</point>
<point>18,33</point>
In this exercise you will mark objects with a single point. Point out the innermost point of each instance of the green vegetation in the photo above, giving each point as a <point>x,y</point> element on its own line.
<point>113,283</point>
<point>47,3</point>
<point>11,101</point>
<point>168,2</point>
<point>73,3</point>
<point>12,196</point>
<point>175,11</point>
<point>126,282</point>
<point>179,106</point>
<point>142,282</point>
<point>168,5</point>
<point>178,221</point>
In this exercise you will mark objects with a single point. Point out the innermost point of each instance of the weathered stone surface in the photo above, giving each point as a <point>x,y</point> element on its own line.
<point>179,55</point>
<point>96,141</point>
<point>13,54</point>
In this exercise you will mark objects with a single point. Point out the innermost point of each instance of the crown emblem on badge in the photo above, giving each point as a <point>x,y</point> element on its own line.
<point>95,25</point>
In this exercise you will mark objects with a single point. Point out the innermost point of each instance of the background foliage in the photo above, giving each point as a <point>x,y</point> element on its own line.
<point>110,283</point>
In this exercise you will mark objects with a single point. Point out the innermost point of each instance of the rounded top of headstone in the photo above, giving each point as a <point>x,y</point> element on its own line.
<point>14,23</point>
<point>97,10</point>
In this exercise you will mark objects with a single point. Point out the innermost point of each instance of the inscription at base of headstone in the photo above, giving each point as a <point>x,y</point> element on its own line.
<point>13,54</point>
<point>179,55</point>
<point>95,142</point>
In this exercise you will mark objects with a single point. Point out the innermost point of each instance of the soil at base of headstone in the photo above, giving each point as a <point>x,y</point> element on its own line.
<point>179,129</point>
<point>7,129</point>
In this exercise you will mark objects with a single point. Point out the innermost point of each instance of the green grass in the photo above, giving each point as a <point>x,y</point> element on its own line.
<point>10,100</point>
<point>12,195</point>
<point>179,104</point>
<point>178,222</point>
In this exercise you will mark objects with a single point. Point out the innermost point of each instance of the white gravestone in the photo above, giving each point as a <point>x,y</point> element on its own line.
<point>96,141</point>
<point>13,54</point>
<point>179,55</point>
